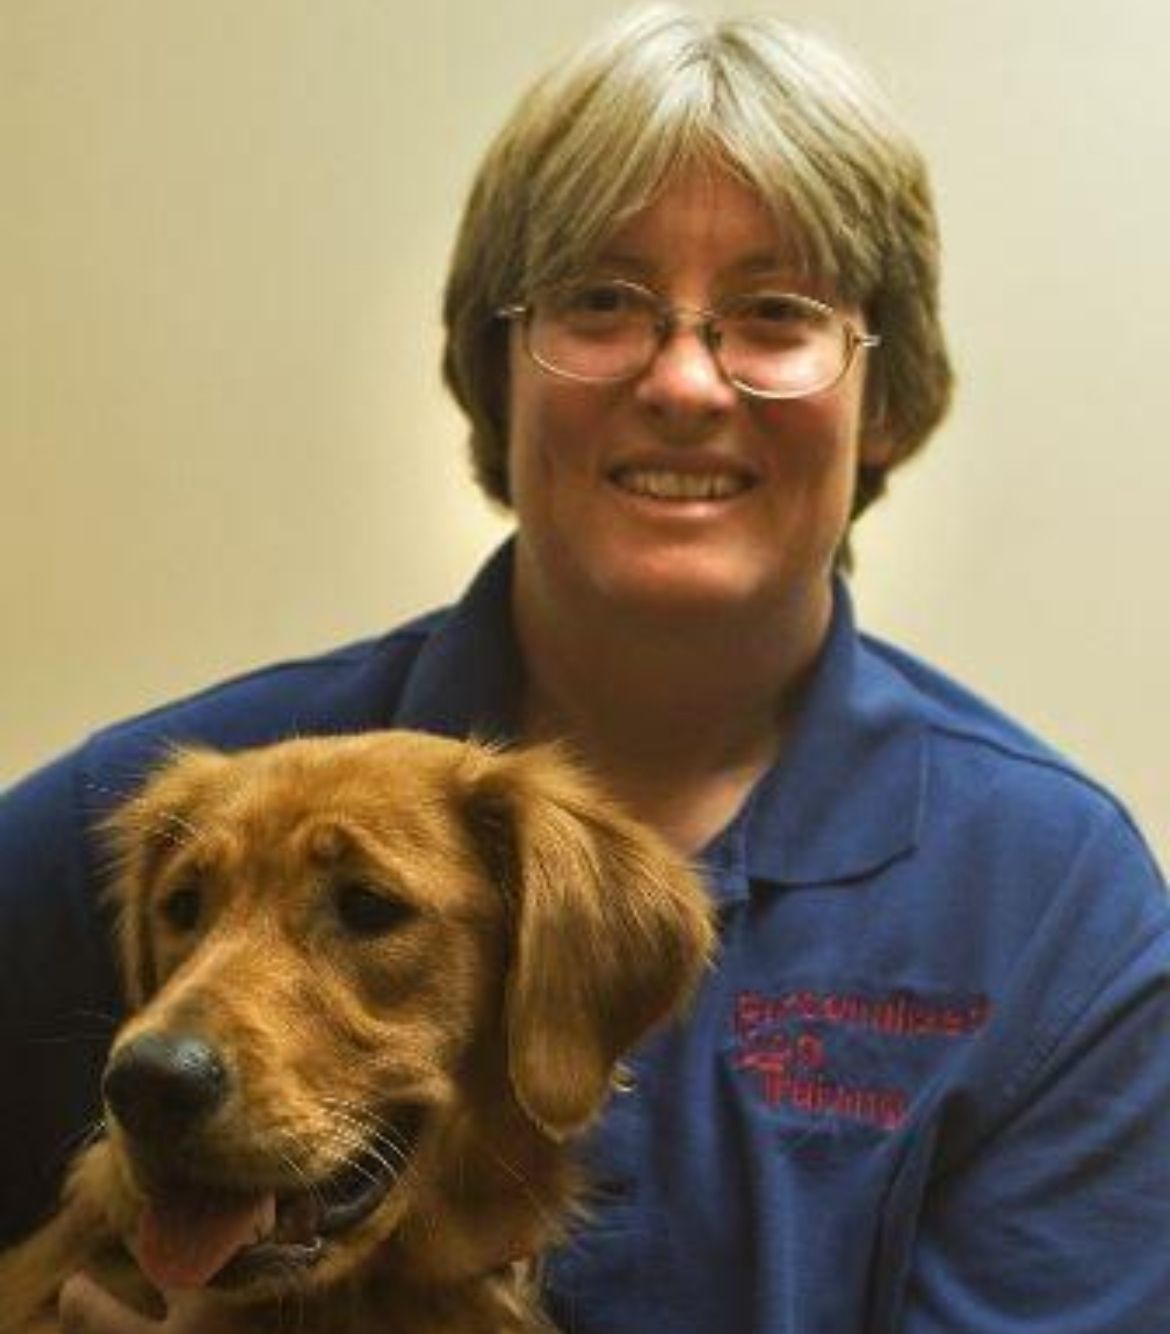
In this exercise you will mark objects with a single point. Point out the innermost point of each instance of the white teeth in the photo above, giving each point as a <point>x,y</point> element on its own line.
<point>663,484</point>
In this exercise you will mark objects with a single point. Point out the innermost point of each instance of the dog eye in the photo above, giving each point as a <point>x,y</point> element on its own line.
<point>182,907</point>
<point>364,911</point>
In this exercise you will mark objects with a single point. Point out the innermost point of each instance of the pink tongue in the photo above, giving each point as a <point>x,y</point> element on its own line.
<point>185,1240</point>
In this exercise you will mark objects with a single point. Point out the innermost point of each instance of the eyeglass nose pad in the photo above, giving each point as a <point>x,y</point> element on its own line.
<point>681,319</point>
<point>705,367</point>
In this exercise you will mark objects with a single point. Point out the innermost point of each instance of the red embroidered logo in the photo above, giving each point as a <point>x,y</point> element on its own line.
<point>782,1040</point>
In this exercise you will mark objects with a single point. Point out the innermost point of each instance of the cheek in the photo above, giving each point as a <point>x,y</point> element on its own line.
<point>553,434</point>
<point>528,427</point>
<point>814,440</point>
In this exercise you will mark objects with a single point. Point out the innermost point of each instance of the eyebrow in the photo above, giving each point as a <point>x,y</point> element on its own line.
<point>769,263</point>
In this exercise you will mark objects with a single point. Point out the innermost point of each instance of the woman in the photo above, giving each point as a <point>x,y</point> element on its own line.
<point>692,318</point>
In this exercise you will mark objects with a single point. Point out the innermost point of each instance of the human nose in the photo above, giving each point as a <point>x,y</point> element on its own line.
<point>685,379</point>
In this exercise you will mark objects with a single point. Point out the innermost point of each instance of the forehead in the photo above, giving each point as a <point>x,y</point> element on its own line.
<point>705,219</point>
<point>273,842</point>
<point>286,800</point>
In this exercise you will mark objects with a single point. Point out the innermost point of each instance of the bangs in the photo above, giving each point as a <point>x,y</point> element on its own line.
<point>618,150</point>
<point>714,101</point>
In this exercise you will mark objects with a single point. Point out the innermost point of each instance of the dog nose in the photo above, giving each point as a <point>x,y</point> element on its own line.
<point>164,1084</point>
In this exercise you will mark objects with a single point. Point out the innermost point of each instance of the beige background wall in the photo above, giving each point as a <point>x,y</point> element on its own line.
<point>222,233</point>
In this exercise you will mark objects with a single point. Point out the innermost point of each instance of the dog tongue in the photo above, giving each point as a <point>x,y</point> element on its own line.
<point>184,1240</point>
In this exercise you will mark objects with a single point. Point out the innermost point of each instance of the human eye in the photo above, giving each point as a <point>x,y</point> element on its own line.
<point>777,317</point>
<point>599,306</point>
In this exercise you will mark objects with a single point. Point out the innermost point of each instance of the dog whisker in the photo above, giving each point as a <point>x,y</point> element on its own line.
<point>352,1159</point>
<point>373,1140</point>
<point>87,1136</point>
<point>95,1132</point>
<point>388,1154</point>
<point>340,1144</point>
<point>296,1169</point>
<point>70,1039</point>
<point>397,1151</point>
<point>369,1128</point>
<point>540,1207</point>
<point>102,1017</point>
<point>354,1111</point>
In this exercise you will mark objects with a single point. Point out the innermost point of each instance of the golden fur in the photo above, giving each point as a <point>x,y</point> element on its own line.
<point>396,945</point>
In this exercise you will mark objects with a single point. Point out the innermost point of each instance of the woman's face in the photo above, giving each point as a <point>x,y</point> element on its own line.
<point>592,521</point>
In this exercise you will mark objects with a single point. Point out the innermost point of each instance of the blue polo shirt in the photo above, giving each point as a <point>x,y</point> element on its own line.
<point>925,1088</point>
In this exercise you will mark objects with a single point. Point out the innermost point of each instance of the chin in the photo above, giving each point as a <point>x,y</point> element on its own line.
<point>685,580</point>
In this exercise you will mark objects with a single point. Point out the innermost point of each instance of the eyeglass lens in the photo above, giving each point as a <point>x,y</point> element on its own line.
<point>772,342</point>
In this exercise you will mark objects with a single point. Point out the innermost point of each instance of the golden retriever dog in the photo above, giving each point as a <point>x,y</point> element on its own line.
<point>376,984</point>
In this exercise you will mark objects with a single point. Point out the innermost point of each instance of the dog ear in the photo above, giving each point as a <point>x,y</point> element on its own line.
<point>143,834</point>
<point>611,929</point>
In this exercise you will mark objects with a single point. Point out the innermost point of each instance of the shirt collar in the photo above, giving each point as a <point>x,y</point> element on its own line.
<point>845,799</point>
<point>468,678</point>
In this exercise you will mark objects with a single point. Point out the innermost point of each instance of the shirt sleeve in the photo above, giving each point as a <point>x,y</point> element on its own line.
<point>58,998</point>
<point>1054,1216</point>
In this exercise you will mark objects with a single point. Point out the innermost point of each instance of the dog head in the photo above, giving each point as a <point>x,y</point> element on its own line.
<point>376,981</point>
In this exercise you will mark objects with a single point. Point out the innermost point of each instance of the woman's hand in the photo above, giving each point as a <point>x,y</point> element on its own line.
<point>85,1308</point>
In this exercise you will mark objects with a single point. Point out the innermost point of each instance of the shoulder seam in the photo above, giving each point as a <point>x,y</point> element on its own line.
<point>415,631</point>
<point>1074,1011</point>
<point>1040,759</point>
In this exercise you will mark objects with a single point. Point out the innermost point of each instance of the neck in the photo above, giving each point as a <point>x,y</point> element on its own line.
<point>678,714</point>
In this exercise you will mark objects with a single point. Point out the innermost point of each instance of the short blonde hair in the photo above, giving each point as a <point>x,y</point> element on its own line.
<point>662,89</point>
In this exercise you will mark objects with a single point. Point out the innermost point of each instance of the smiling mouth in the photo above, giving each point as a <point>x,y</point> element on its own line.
<point>671,485</point>
<point>195,1236</point>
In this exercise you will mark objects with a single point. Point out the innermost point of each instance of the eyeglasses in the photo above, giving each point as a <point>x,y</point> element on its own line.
<point>767,344</point>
